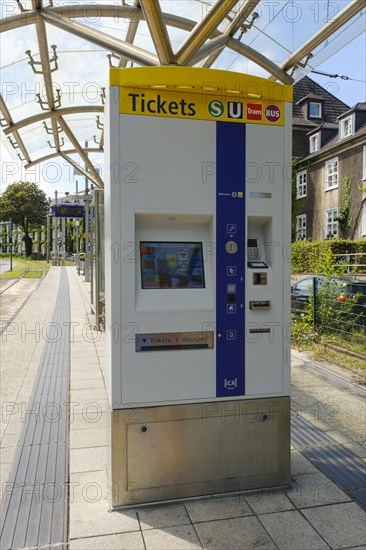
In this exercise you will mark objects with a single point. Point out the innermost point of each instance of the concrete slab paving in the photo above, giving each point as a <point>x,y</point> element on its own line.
<point>218,508</point>
<point>13,428</point>
<point>88,420</point>
<point>7,454</point>
<point>81,375</point>
<point>122,541</point>
<point>313,490</point>
<point>301,465</point>
<point>9,440</point>
<point>88,487</point>
<point>182,537</point>
<point>245,533</point>
<point>159,517</point>
<point>86,395</point>
<point>291,531</point>
<point>92,366</point>
<point>94,519</point>
<point>80,439</point>
<point>341,525</point>
<point>269,501</point>
<point>87,460</point>
<point>87,384</point>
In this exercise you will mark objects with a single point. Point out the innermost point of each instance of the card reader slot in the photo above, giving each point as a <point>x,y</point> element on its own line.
<point>259,331</point>
<point>259,304</point>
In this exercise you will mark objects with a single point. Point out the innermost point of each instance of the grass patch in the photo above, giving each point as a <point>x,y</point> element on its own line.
<point>36,264</point>
<point>305,338</point>
<point>321,353</point>
<point>12,274</point>
<point>352,342</point>
<point>20,265</point>
<point>33,274</point>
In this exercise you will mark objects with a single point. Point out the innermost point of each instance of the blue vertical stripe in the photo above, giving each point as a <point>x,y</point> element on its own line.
<point>230,267</point>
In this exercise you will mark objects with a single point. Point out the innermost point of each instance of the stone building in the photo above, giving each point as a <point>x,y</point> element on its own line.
<point>329,147</point>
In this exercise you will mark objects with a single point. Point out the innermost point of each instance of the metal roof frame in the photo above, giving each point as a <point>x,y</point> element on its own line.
<point>203,46</point>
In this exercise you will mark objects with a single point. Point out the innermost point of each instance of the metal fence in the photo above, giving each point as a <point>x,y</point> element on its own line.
<point>353,262</point>
<point>334,308</point>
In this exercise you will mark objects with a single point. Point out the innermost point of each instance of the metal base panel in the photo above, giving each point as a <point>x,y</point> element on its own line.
<point>181,451</point>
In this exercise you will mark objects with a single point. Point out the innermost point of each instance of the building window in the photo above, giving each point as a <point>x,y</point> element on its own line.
<point>331,224</point>
<point>331,174</point>
<point>364,164</point>
<point>301,180</point>
<point>315,109</point>
<point>363,224</point>
<point>301,227</point>
<point>314,143</point>
<point>346,127</point>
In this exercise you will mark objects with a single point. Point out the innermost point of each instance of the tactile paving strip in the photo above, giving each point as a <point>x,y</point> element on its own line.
<point>34,508</point>
<point>338,463</point>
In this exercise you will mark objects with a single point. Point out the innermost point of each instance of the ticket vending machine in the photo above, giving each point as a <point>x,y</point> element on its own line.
<point>197,210</point>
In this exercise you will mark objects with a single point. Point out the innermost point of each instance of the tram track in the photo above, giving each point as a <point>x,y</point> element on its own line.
<point>360,389</point>
<point>4,324</point>
<point>3,290</point>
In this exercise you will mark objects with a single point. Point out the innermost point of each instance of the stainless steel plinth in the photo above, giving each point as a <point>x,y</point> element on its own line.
<point>180,451</point>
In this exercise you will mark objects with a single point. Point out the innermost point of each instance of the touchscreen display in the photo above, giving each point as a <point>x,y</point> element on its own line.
<point>171,265</point>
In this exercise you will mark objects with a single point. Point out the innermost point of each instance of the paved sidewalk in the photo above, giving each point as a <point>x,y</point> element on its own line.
<point>313,513</point>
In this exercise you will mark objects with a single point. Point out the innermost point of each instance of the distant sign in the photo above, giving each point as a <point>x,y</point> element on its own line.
<point>68,210</point>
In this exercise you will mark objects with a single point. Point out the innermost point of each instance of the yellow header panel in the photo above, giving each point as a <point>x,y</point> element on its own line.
<point>202,94</point>
<point>201,81</point>
<point>193,106</point>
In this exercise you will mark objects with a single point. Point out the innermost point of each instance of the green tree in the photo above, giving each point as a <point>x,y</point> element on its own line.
<point>27,205</point>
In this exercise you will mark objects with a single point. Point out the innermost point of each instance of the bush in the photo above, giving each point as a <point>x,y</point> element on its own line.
<point>309,256</point>
<point>303,333</point>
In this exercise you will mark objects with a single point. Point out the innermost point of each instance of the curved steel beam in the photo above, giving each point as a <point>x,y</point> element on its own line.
<point>261,60</point>
<point>78,167</point>
<point>130,36</point>
<point>66,152</point>
<point>46,68</point>
<point>19,20</point>
<point>209,48</point>
<point>170,19</point>
<point>8,119</point>
<point>203,30</point>
<point>70,135</point>
<point>158,31</point>
<point>331,27</point>
<point>140,56</point>
<point>45,115</point>
<point>234,25</point>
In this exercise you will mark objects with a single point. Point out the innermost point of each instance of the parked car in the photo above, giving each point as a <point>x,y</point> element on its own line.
<point>349,290</point>
<point>302,291</point>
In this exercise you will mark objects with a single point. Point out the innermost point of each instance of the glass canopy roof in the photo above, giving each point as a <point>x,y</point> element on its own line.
<point>56,55</point>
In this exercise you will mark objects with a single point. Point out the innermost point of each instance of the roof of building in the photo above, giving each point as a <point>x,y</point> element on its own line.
<point>308,89</point>
<point>336,142</point>
<point>358,107</point>
<point>325,126</point>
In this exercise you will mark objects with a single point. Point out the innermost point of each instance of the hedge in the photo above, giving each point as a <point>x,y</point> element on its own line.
<point>308,256</point>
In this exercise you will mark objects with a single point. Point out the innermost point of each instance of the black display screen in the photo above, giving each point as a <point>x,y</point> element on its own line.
<point>171,265</point>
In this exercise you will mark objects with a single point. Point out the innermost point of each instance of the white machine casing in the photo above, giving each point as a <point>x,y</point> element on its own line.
<point>162,186</point>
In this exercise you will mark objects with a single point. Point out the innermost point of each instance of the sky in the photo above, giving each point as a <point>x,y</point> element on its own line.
<point>282,26</point>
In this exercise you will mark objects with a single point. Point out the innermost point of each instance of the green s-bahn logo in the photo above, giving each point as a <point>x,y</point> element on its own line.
<point>216,108</point>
